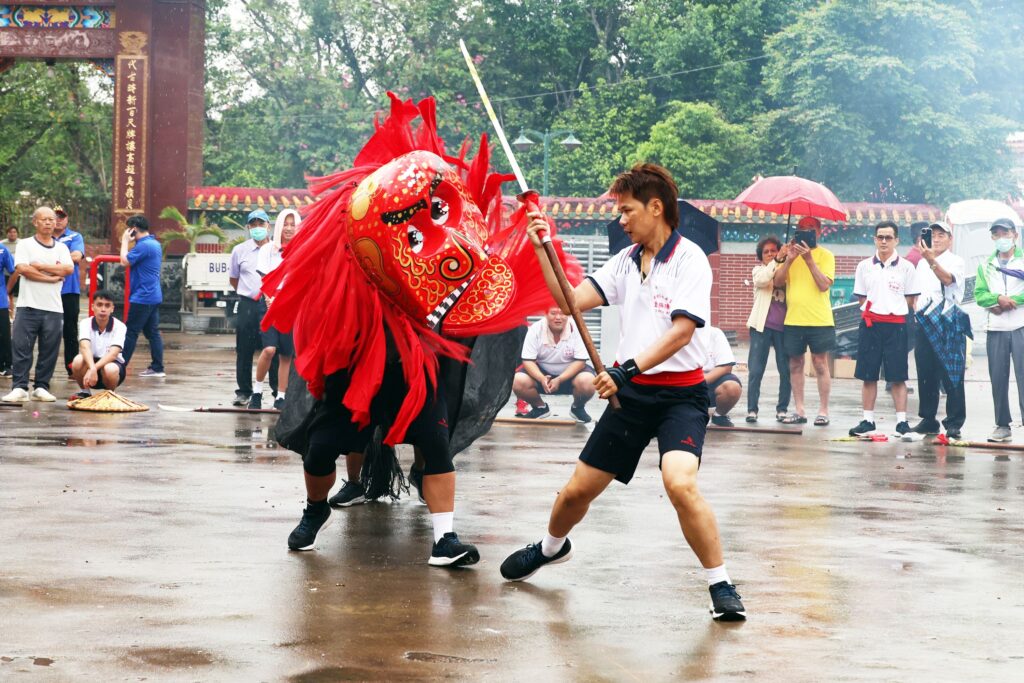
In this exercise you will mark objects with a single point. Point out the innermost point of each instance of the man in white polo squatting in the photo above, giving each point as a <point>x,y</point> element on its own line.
<point>662,285</point>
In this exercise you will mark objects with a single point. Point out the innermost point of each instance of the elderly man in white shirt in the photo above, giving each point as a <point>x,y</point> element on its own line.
<point>940,282</point>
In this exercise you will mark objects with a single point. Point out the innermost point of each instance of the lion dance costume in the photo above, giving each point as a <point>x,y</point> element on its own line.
<point>405,261</point>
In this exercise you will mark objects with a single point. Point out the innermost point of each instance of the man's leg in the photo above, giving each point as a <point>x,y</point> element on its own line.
<point>156,342</point>
<point>757,361</point>
<point>583,388</point>
<point>727,395</point>
<point>26,328</point>
<point>929,377</point>
<point>439,492</point>
<point>899,397</point>
<point>50,335</point>
<point>111,376</point>
<point>997,347</point>
<point>525,389</point>
<point>679,475</point>
<point>71,304</point>
<point>78,370</point>
<point>1017,353</point>
<point>574,499</point>
<point>824,378</point>
<point>796,380</point>
<point>245,346</point>
<point>6,360</point>
<point>283,370</point>
<point>263,362</point>
<point>136,319</point>
<point>868,396</point>
<point>352,492</point>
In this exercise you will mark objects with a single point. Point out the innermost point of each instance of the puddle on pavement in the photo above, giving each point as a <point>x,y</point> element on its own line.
<point>171,657</point>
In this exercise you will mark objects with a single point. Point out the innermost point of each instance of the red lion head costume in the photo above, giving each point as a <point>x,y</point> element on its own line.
<point>409,243</point>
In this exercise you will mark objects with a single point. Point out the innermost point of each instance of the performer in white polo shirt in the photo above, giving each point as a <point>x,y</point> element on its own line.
<point>99,363</point>
<point>662,285</point>
<point>885,285</point>
<point>554,362</point>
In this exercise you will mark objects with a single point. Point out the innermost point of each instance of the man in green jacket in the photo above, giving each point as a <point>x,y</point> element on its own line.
<point>1000,290</point>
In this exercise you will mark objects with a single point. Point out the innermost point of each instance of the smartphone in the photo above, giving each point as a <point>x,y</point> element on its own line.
<point>131,233</point>
<point>926,237</point>
<point>808,237</point>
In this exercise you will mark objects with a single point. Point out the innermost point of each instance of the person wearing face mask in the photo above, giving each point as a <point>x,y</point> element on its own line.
<point>1000,289</point>
<point>276,344</point>
<point>246,280</point>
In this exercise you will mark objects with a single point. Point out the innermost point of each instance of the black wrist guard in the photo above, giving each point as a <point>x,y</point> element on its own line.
<point>621,374</point>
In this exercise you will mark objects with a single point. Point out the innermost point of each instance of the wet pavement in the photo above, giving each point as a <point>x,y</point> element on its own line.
<point>151,546</point>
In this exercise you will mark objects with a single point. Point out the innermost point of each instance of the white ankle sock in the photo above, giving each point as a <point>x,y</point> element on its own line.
<point>869,415</point>
<point>443,523</point>
<point>257,387</point>
<point>551,545</point>
<point>717,575</point>
<point>280,395</point>
<point>901,417</point>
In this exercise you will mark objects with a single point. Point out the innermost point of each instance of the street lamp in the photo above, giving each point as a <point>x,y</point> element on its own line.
<point>523,143</point>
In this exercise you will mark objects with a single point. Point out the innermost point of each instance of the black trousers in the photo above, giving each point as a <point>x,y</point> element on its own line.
<point>5,339</point>
<point>248,342</point>
<point>71,304</point>
<point>931,374</point>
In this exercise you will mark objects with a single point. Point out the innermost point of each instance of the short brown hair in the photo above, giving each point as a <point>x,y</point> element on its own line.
<point>645,182</point>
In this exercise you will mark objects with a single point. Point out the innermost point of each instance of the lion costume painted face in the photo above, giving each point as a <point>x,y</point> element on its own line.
<point>419,236</point>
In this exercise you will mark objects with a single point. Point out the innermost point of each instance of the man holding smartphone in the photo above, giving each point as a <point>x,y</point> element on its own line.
<point>144,258</point>
<point>807,271</point>
<point>940,282</point>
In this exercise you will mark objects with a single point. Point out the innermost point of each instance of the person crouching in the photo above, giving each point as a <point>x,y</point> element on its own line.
<point>99,363</point>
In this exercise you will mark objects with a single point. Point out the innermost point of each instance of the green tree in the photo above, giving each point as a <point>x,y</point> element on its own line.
<point>707,155</point>
<point>879,101</point>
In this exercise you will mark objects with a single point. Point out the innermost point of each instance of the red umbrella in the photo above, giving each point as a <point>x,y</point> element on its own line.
<point>791,194</point>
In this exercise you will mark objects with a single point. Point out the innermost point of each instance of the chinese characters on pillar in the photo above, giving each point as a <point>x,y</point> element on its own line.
<point>130,122</point>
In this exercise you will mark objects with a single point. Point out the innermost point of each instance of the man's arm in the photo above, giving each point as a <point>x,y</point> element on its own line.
<point>821,279</point>
<point>718,372</point>
<point>108,357</point>
<point>574,369</point>
<point>584,295</point>
<point>945,277</point>
<point>912,301</point>
<point>666,346</point>
<point>982,296</point>
<point>77,249</point>
<point>782,272</point>
<point>30,272</point>
<point>125,240</point>
<point>61,270</point>
<point>533,370</point>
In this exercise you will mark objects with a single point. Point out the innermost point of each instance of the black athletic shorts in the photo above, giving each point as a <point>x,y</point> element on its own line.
<point>882,345</point>
<point>334,433</point>
<point>122,372</point>
<point>282,341</point>
<point>798,338</point>
<point>727,377</point>
<point>677,416</point>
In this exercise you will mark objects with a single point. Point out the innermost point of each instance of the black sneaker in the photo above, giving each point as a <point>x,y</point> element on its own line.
<point>416,479</point>
<point>579,414</point>
<point>84,393</point>
<point>863,428</point>
<point>278,404</point>
<point>902,427</point>
<point>537,413</point>
<point>451,552</point>
<point>352,493</point>
<point>255,402</point>
<point>314,518</point>
<point>927,427</point>
<point>241,398</point>
<point>522,564</point>
<point>953,434</point>
<point>722,421</point>
<point>725,603</point>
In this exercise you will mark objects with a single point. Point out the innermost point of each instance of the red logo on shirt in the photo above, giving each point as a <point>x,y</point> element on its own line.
<point>443,422</point>
<point>688,441</point>
<point>662,304</point>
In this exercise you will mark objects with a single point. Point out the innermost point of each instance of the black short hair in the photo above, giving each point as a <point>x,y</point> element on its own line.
<point>139,222</point>
<point>14,228</point>
<point>888,224</point>
<point>104,294</point>
<point>644,182</point>
<point>770,239</point>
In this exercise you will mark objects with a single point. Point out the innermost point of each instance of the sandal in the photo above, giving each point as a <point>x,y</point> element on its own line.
<point>751,417</point>
<point>780,416</point>
<point>821,421</point>
<point>794,419</point>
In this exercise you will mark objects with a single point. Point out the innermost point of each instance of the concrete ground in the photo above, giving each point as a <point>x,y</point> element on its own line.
<point>151,546</point>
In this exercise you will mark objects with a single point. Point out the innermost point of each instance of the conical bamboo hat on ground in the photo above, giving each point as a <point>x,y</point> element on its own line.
<point>106,402</point>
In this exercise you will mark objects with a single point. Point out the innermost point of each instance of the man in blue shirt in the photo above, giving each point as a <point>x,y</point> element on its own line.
<point>6,271</point>
<point>144,310</point>
<point>70,293</point>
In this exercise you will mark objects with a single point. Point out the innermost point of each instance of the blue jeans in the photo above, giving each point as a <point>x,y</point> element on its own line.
<point>761,343</point>
<point>144,318</point>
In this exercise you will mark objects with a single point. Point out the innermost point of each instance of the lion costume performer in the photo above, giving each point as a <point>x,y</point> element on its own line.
<point>404,261</point>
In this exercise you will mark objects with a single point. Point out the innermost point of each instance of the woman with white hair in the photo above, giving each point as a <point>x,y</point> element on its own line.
<point>274,340</point>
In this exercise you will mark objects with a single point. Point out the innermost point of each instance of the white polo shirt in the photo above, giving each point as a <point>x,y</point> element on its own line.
<point>928,286</point>
<point>679,284</point>
<point>719,352</point>
<point>553,357</point>
<point>885,284</point>
<point>102,340</point>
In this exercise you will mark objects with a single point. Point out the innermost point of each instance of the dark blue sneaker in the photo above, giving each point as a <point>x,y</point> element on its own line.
<point>352,493</point>
<point>522,564</point>
<point>314,518</point>
<point>579,414</point>
<point>725,603</point>
<point>451,552</point>
<point>863,428</point>
<point>416,479</point>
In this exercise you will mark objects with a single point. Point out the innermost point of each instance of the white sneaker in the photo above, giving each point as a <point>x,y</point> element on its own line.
<point>40,394</point>
<point>16,396</point>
